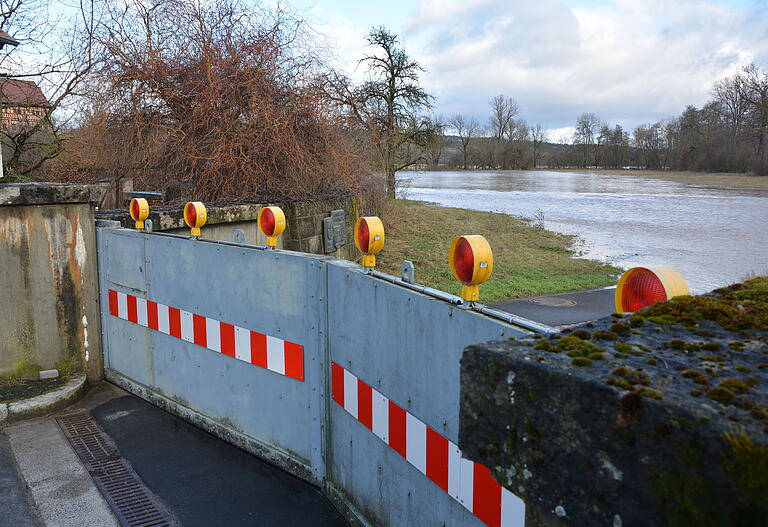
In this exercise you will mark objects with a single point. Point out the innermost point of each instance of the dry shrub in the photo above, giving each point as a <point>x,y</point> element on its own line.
<point>225,98</point>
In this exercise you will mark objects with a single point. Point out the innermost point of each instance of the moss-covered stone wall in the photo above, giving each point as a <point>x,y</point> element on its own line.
<point>658,418</point>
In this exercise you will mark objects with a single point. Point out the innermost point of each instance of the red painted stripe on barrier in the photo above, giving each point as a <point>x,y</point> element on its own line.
<point>258,349</point>
<point>133,314</point>
<point>294,360</point>
<point>174,322</point>
<point>272,353</point>
<point>486,496</point>
<point>200,331</point>
<point>474,486</point>
<point>152,315</point>
<point>113,302</point>
<point>397,428</point>
<point>437,459</point>
<point>227,335</point>
<point>337,383</point>
<point>365,404</point>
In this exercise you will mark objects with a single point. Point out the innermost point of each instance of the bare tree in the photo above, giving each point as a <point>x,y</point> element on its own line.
<point>467,130</point>
<point>220,101</point>
<point>538,136</point>
<point>390,104</point>
<point>54,56</point>
<point>754,89</point>
<point>502,124</point>
<point>730,93</point>
<point>435,142</point>
<point>584,137</point>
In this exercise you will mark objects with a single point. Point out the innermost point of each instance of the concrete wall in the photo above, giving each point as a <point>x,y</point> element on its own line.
<point>48,279</point>
<point>303,232</point>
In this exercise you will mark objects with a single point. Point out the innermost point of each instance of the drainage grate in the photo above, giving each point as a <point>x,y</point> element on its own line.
<point>130,500</point>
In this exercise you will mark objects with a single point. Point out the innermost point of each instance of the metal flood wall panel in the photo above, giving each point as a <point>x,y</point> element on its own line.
<point>407,346</point>
<point>403,344</point>
<point>274,293</point>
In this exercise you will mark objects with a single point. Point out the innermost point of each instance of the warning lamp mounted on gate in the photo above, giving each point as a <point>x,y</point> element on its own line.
<point>644,286</point>
<point>195,216</point>
<point>369,238</point>
<point>272,224</point>
<point>471,261</point>
<point>139,209</point>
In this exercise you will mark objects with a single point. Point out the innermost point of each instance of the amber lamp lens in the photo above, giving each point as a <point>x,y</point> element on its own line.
<point>135,210</point>
<point>643,288</point>
<point>191,213</point>
<point>464,261</point>
<point>363,236</point>
<point>268,222</point>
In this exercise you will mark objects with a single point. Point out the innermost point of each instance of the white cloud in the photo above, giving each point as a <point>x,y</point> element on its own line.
<point>629,62</point>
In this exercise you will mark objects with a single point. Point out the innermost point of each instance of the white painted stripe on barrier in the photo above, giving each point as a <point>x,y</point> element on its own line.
<point>122,305</point>
<point>416,442</point>
<point>512,509</point>
<point>276,354</point>
<point>466,482</point>
<point>162,319</point>
<point>141,311</point>
<point>350,393</point>
<point>380,411</point>
<point>454,471</point>
<point>242,344</point>
<point>187,327</point>
<point>212,334</point>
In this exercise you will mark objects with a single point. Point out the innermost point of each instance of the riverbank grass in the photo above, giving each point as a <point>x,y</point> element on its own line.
<point>528,261</point>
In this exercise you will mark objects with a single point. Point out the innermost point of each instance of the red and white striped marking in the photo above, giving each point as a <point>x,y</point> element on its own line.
<point>277,355</point>
<point>468,482</point>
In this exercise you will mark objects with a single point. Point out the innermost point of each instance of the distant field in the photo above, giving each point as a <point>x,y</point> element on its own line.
<point>527,260</point>
<point>700,178</point>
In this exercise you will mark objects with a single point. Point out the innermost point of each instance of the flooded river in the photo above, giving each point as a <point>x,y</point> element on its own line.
<point>714,235</point>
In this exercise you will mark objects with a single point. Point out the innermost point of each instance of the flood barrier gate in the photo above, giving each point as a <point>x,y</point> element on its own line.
<point>344,379</point>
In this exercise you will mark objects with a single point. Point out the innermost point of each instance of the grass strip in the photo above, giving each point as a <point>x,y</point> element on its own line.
<point>528,261</point>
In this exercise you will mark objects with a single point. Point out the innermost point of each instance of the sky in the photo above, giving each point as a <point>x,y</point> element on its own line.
<point>628,61</point>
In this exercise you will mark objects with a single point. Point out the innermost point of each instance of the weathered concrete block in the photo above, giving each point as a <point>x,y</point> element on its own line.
<point>47,193</point>
<point>315,245</point>
<point>630,421</point>
<point>49,374</point>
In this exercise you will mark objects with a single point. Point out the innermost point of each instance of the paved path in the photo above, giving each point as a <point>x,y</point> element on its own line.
<point>61,491</point>
<point>16,508</point>
<point>565,309</point>
<point>200,479</point>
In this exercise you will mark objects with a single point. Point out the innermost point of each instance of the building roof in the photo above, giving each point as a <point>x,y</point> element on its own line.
<point>5,38</point>
<point>14,92</point>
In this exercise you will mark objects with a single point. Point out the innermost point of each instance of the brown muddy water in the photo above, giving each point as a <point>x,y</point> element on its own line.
<point>714,235</point>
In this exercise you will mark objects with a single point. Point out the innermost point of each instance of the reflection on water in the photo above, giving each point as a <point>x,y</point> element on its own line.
<point>713,235</point>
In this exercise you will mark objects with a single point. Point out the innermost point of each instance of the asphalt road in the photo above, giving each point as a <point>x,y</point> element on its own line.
<point>16,509</point>
<point>565,309</point>
<point>204,481</point>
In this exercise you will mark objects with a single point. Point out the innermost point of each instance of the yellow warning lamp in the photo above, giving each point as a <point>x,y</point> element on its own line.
<point>644,286</point>
<point>139,209</point>
<point>272,224</point>
<point>471,261</point>
<point>195,216</point>
<point>369,238</point>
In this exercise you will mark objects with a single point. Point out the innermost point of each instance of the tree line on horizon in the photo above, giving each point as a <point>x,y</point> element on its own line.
<point>728,134</point>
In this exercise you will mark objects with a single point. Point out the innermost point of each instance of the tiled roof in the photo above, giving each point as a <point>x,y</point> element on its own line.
<point>16,92</point>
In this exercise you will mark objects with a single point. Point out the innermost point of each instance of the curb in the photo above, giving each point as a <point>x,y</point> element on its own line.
<point>42,404</point>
